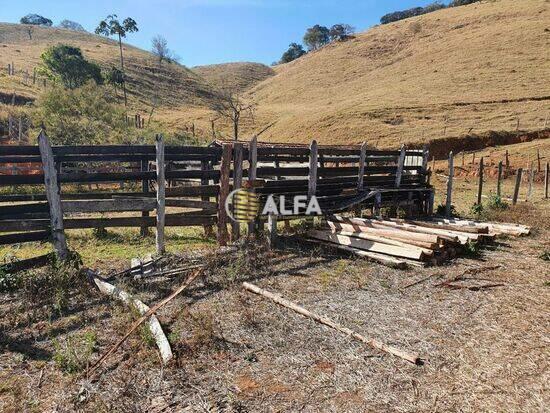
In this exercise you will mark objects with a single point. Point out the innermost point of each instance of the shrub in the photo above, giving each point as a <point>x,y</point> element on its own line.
<point>66,64</point>
<point>441,210</point>
<point>88,115</point>
<point>294,51</point>
<point>73,354</point>
<point>496,202</point>
<point>476,209</point>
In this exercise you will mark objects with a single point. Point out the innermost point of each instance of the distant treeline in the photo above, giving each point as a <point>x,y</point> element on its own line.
<point>417,11</point>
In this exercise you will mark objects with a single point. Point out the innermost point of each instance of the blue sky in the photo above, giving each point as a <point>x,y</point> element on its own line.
<point>215,31</point>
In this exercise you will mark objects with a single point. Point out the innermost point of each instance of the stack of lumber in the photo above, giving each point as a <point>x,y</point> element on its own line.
<point>402,243</point>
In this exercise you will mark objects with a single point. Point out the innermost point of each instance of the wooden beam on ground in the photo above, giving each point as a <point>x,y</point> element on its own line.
<point>27,264</point>
<point>366,245</point>
<point>52,194</point>
<point>161,192</point>
<point>410,357</point>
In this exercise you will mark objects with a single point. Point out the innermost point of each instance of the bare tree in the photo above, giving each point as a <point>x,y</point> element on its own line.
<point>30,30</point>
<point>229,104</point>
<point>160,48</point>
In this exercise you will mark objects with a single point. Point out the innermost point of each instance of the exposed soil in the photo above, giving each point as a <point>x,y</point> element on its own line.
<point>485,349</point>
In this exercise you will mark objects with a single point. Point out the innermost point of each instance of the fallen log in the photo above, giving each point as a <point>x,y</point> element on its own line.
<point>411,357</point>
<point>154,325</point>
<point>144,317</point>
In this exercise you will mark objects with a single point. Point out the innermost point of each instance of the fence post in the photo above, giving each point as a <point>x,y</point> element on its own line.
<point>376,209</point>
<point>400,165</point>
<point>499,179</point>
<point>205,166</point>
<point>313,158</point>
<point>507,159</point>
<point>53,196</point>
<point>252,165</point>
<point>480,181</point>
<point>425,158</point>
<point>144,231</point>
<point>237,183</point>
<point>449,186</point>
<point>516,188</point>
<point>531,177</point>
<point>546,173</point>
<point>225,169</point>
<point>362,160</point>
<point>272,230</point>
<point>161,193</point>
<point>538,161</point>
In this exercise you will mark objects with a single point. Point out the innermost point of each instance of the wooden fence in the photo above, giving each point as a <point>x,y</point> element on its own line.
<point>69,181</point>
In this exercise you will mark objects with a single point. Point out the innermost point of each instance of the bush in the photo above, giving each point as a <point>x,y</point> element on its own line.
<point>441,210</point>
<point>496,202</point>
<point>66,64</point>
<point>85,116</point>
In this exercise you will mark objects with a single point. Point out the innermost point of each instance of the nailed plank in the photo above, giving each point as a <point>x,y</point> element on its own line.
<point>24,237</point>
<point>110,205</point>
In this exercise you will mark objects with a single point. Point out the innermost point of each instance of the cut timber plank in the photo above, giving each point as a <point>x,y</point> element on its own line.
<point>494,227</point>
<point>374,226</point>
<point>426,251</point>
<point>383,233</point>
<point>412,253</point>
<point>483,229</point>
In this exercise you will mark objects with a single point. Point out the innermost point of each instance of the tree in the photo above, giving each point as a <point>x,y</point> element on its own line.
<point>71,25</point>
<point>227,103</point>
<point>316,37</point>
<point>66,64</point>
<point>160,49</point>
<point>36,20</point>
<point>456,3</point>
<point>341,31</point>
<point>29,28</point>
<point>112,27</point>
<point>294,51</point>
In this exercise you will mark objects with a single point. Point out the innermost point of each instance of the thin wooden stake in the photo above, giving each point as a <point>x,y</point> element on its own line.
<point>546,173</point>
<point>516,188</point>
<point>530,187</point>
<point>480,182</point>
<point>161,191</point>
<point>499,179</point>
<point>410,357</point>
<point>53,196</point>
<point>449,186</point>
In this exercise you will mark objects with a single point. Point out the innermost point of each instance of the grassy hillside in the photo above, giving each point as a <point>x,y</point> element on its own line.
<point>171,84</point>
<point>238,76</point>
<point>467,69</point>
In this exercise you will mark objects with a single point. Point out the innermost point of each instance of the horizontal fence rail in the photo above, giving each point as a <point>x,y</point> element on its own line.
<point>191,183</point>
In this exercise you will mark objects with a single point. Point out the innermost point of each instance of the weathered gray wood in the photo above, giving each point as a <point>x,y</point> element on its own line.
<point>52,194</point>
<point>252,167</point>
<point>205,166</point>
<point>144,166</point>
<point>24,237</point>
<point>410,357</point>
<point>362,160</point>
<point>516,188</point>
<point>480,181</point>
<point>110,205</point>
<point>313,162</point>
<point>206,206</point>
<point>377,205</point>
<point>531,178</point>
<point>272,230</point>
<point>400,165</point>
<point>161,192</point>
<point>449,199</point>
<point>499,179</point>
<point>225,169</point>
<point>238,151</point>
<point>546,177</point>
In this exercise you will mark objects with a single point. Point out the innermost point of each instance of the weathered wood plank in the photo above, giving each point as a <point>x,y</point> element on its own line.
<point>225,168</point>
<point>313,164</point>
<point>237,183</point>
<point>52,194</point>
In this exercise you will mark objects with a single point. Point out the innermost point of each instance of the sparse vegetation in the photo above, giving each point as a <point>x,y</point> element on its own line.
<point>72,355</point>
<point>229,104</point>
<point>160,49</point>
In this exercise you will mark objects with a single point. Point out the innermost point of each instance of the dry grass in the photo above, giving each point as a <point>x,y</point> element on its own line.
<point>484,350</point>
<point>238,76</point>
